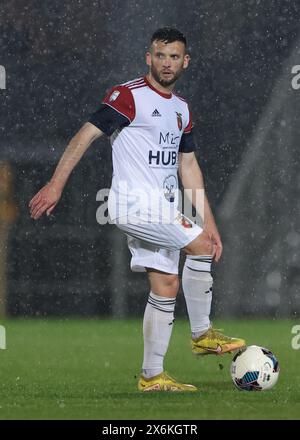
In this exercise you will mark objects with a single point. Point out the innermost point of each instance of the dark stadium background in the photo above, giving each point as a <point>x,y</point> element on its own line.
<point>61,57</point>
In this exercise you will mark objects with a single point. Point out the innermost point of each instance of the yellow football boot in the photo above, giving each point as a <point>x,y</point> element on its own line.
<point>163,382</point>
<point>214,342</point>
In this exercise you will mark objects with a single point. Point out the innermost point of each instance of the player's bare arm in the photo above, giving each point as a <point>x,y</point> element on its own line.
<point>192,178</point>
<point>47,198</point>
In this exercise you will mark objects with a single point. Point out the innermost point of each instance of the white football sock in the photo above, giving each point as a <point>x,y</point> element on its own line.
<point>157,330</point>
<point>197,288</point>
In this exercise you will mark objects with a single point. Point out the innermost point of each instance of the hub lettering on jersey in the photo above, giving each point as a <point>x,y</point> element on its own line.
<point>163,158</point>
<point>168,156</point>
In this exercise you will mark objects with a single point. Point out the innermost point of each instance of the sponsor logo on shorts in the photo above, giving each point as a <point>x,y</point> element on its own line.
<point>186,223</point>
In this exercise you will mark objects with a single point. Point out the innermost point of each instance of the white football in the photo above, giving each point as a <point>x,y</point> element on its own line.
<point>254,368</point>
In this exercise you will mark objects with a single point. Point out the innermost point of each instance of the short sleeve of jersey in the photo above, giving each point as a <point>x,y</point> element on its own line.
<point>117,110</point>
<point>187,144</point>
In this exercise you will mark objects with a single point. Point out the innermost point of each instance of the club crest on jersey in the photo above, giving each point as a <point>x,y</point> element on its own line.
<point>114,95</point>
<point>179,120</point>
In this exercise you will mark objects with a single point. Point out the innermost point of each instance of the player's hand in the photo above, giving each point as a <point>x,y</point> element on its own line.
<point>216,241</point>
<point>44,201</point>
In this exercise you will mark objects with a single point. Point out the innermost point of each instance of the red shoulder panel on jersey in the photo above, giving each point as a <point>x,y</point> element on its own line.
<point>121,99</point>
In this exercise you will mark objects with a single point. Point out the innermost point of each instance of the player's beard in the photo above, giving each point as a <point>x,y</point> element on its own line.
<point>164,82</point>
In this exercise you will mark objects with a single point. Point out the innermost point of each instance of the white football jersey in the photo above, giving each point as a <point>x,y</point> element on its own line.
<point>147,130</point>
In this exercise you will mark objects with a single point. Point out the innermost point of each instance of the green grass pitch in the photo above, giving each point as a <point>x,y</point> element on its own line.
<point>86,369</point>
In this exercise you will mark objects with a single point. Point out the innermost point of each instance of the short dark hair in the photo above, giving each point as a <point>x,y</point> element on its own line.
<point>168,35</point>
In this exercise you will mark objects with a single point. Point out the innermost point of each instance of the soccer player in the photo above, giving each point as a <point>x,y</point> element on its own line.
<point>150,130</point>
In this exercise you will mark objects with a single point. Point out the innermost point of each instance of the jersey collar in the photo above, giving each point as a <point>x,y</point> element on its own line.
<point>164,95</point>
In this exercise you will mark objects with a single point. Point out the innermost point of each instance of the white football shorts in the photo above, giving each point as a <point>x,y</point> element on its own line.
<point>157,245</point>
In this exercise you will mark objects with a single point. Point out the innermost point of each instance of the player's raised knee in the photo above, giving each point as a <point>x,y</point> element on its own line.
<point>173,282</point>
<point>163,284</point>
<point>169,286</point>
<point>202,245</point>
